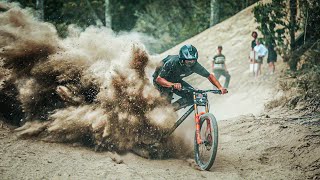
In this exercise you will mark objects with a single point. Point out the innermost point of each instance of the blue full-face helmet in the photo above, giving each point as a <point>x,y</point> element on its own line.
<point>188,55</point>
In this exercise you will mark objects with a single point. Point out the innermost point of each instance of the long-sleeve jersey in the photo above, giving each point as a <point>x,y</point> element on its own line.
<point>173,70</point>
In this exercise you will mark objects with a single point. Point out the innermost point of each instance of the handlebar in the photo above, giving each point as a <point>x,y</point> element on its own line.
<point>188,89</point>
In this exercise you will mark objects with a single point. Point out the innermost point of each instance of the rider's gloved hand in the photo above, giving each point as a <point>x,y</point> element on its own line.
<point>177,86</point>
<point>223,90</point>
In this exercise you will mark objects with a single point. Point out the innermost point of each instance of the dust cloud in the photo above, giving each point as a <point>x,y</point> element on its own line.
<point>88,88</point>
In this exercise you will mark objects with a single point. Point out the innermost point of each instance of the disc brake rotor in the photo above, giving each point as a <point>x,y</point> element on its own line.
<point>208,142</point>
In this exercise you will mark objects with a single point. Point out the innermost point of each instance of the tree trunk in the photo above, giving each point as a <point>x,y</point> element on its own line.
<point>293,16</point>
<point>94,15</point>
<point>305,25</point>
<point>215,12</point>
<point>107,14</point>
<point>40,11</point>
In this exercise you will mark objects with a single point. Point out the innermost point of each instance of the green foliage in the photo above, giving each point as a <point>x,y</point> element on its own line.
<point>169,22</point>
<point>175,23</point>
<point>63,13</point>
<point>123,15</point>
<point>312,12</point>
<point>272,21</point>
<point>230,8</point>
<point>275,24</point>
<point>78,12</point>
<point>278,20</point>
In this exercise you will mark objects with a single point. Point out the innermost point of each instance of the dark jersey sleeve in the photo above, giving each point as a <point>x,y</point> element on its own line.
<point>214,58</point>
<point>197,68</point>
<point>166,69</point>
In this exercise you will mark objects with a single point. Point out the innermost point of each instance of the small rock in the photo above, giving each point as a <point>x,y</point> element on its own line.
<point>283,126</point>
<point>116,158</point>
<point>193,164</point>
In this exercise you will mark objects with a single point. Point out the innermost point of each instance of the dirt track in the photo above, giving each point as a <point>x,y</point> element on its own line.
<point>249,148</point>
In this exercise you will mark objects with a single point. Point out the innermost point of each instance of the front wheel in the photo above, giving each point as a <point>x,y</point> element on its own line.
<point>205,153</point>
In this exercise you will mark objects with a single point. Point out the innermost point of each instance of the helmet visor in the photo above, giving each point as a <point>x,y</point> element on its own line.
<point>190,63</point>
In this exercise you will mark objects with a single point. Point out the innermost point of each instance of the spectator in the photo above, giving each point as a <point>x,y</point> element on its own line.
<point>254,34</point>
<point>272,58</point>
<point>219,67</point>
<point>260,52</point>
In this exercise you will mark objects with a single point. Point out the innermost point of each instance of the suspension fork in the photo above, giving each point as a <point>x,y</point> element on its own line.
<point>208,127</point>
<point>197,120</point>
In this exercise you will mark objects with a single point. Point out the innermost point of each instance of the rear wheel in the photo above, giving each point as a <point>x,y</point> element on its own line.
<point>205,153</point>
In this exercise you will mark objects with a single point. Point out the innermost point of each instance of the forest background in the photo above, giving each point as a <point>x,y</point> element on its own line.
<point>290,25</point>
<point>167,23</point>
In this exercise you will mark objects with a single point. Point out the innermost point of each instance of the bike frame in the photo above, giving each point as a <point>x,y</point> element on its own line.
<point>197,116</point>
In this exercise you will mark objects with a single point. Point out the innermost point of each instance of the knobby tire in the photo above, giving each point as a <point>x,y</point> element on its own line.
<point>206,164</point>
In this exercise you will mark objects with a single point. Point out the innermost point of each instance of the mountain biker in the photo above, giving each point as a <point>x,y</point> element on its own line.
<point>168,76</point>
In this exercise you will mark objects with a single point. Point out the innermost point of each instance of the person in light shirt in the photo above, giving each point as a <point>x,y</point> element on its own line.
<point>260,51</point>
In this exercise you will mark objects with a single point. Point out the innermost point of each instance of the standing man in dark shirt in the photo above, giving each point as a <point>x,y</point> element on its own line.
<point>252,55</point>
<point>167,77</point>
<point>254,34</point>
<point>220,68</point>
<point>272,57</point>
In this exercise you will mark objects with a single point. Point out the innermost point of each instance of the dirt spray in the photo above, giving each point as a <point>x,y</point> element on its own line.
<point>90,87</point>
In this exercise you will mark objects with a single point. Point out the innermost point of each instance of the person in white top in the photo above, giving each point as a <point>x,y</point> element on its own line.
<point>260,51</point>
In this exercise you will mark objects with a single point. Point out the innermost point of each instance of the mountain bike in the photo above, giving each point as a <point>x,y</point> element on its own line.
<point>206,134</point>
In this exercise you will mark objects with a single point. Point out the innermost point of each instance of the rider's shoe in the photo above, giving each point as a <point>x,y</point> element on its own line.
<point>180,103</point>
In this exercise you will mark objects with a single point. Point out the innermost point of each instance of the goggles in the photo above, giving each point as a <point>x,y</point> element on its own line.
<point>189,63</point>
